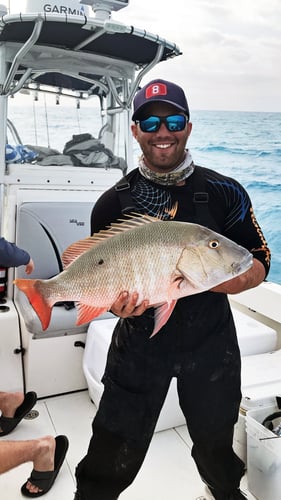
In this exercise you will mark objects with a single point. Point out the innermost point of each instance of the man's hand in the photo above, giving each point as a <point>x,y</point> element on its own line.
<point>29,267</point>
<point>251,278</point>
<point>126,305</point>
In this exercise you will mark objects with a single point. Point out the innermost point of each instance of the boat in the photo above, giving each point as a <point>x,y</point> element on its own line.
<point>78,51</point>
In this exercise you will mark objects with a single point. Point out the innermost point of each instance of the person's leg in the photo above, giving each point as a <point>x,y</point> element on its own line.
<point>39,451</point>
<point>135,385</point>
<point>9,402</point>
<point>210,396</point>
<point>14,407</point>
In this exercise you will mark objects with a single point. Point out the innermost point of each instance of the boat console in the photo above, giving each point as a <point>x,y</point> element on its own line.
<point>62,50</point>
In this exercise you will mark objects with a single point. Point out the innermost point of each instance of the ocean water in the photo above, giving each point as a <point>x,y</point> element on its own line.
<point>246,146</point>
<point>243,145</point>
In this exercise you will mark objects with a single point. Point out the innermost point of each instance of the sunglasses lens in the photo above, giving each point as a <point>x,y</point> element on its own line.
<point>175,123</point>
<point>151,124</point>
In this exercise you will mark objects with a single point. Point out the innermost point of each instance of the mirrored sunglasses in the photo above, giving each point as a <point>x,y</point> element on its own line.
<point>174,123</point>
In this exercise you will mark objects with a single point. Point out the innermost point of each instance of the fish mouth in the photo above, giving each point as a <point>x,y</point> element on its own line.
<point>242,266</point>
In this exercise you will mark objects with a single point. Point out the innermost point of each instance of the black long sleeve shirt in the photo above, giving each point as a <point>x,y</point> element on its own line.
<point>229,206</point>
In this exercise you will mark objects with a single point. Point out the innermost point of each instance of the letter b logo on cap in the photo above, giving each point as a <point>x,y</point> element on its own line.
<point>155,89</point>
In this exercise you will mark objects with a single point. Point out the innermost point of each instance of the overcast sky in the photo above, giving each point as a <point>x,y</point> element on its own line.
<point>231,49</point>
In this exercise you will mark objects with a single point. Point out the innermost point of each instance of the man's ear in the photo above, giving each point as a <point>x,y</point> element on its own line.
<point>134,129</point>
<point>189,128</point>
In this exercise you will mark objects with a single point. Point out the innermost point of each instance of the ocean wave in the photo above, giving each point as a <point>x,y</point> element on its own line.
<point>273,185</point>
<point>238,151</point>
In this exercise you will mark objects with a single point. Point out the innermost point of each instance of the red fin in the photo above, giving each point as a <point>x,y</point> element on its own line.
<point>87,313</point>
<point>76,249</point>
<point>161,315</point>
<point>122,225</point>
<point>36,299</point>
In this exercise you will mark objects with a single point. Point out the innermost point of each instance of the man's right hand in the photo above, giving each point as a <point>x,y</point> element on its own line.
<point>126,305</point>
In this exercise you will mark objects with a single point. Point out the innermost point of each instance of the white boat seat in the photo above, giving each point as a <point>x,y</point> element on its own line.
<point>45,230</point>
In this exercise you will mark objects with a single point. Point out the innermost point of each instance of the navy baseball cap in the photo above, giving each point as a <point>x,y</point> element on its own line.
<point>159,91</point>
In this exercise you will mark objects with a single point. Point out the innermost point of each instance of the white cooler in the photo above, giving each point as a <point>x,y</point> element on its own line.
<point>252,336</point>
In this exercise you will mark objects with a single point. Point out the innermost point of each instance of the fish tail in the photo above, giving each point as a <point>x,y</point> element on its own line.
<point>36,299</point>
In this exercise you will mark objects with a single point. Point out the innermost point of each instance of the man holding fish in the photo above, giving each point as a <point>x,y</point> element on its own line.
<point>197,342</point>
<point>166,273</point>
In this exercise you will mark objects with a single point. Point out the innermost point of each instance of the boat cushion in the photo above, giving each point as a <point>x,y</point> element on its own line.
<point>45,230</point>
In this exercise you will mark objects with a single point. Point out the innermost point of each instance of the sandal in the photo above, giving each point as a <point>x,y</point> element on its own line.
<point>45,480</point>
<point>8,424</point>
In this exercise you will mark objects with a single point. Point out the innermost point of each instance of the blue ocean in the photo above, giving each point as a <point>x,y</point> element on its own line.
<point>246,146</point>
<point>243,145</point>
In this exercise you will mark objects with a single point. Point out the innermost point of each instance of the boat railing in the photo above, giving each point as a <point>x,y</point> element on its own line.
<point>14,133</point>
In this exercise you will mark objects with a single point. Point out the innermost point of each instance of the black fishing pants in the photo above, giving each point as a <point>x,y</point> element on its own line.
<point>136,381</point>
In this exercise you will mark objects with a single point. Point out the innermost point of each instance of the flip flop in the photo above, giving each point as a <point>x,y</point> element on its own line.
<point>7,424</point>
<point>45,480</point>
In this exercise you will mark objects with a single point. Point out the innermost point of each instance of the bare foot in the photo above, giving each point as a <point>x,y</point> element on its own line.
<point>43,459</point>
<point>9,402</point>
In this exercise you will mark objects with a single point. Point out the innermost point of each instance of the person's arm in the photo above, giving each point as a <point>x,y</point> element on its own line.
<point>242,227</point>
<point>13,256</point>
<point>250,279</point>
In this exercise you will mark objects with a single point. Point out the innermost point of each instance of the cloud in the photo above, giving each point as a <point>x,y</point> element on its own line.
<point>229,48</point>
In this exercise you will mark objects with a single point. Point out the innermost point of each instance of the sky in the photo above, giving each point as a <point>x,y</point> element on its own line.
<point>231,49</point>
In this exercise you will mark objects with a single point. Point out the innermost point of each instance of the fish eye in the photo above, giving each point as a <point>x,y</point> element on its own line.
<point>214,244</point>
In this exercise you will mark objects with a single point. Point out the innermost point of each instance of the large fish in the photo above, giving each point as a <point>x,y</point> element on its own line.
<point>161,260</point>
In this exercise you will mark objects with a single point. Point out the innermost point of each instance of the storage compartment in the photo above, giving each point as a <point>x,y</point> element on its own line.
<point>264,456</point>
<point>11,378</point>
<point>261,383</point>
<point>240,435</point>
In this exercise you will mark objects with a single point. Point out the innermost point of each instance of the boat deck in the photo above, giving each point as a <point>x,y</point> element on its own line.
<point>168,471</point>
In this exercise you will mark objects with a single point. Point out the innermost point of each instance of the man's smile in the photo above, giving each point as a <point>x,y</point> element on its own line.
<point>163,146</point>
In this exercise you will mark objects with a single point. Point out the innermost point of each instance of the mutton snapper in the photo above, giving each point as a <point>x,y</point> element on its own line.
<point>161,260</point>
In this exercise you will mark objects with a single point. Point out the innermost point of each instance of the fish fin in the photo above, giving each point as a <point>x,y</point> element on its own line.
<point>122,225</point>
<point>132,220</point>
<point>87,313</point>
<point>161,315</point>
<point>36,299</point>
<point>78,248</point>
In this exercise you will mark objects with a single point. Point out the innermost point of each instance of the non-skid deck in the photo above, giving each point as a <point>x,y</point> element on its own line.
<point>167,473</point>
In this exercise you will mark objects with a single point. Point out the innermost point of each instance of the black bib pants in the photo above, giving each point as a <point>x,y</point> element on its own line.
<point>136,380</point>
<point>198,346</point>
